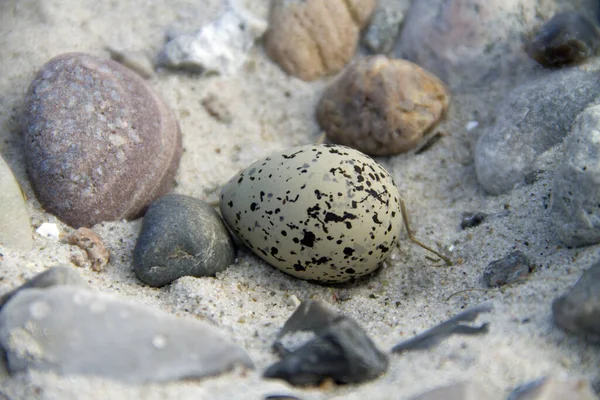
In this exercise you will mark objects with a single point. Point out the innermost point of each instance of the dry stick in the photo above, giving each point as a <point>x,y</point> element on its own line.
<point>417,241</point>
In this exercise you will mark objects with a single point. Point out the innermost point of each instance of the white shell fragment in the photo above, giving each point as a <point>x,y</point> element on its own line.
<point>48,230</point>
<point>320,212</point>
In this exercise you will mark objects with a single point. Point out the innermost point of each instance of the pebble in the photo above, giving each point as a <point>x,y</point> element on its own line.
<point>339,350</point>
<point>181,236</point>
<point>568,38</point>
<point>48,230</point>
<point>320,212</point>
<point>530,120</point>
<point>576,184</point>
<point>70,330</point>
<point>53,276</point>
<point>313,38</point>
<point>469,43</point>
<point>382,106</point>
<point>91,242</point>
<point>384,27</point>
<point>100,144</point>
<point>578,311</point>
<point>515,267</point>
<point>472,219</point>
<point>460,391</point>
<point>15,227</point>
<point>552,388</point>
<point>220,47</point>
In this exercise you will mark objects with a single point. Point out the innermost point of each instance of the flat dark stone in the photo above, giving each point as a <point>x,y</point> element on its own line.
<point>515,267</point>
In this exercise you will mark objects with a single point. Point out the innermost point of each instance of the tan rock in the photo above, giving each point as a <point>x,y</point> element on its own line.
<point>91,242</point>
<point>382,106</point>
<point>313,38</point>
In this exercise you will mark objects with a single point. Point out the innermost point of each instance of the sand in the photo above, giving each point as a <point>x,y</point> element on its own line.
<point>249,301</point>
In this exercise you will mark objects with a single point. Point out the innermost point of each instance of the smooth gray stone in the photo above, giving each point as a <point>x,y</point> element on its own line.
<point>385,24</point>
<point>576,186</point>
<point>53,276</point>
<point>531,119</point>
<point>15,227</point>
<point>514,267</point>
<point>181,236</point>
<point>578,311</point>
<point>70,330</point>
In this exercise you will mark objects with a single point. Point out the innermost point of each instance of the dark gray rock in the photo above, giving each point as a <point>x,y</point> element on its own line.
<point>70,330</point>
<point>181,236</point>
<point>568,38</point>
<point>338,350</point>
<point>515,267</point>
<point>530,120</point>
<point>100,144</point>
<point>576,185</point>
<point>53,276</point>
<point>578,311</point>
<point>472,219</point>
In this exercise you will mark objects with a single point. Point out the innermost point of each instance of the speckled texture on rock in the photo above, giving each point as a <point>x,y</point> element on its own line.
<point>100,144</point>
<point>530,120</point>
<point>321,212</point>
<point>181,236</point>
<point>576,185</point>
<point>382,106</point>
<point>309,39</point>
<point>108,337</point>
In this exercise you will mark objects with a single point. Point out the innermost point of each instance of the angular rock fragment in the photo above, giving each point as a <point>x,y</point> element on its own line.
<point>100,144</point>
<point>576,185</point>
<point>382,106</point>
<point>578,311</point>
<point>91,242</point>
<point>15,227</point>
<point>70,330</point>
<point>339,350</point>
<point>181,236</point>
<point>313,38</point>
<point>515,267</point>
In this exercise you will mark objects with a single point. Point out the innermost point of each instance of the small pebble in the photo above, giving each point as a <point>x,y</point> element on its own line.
<point>461,391</point>
<point>91,242</point>
<point>181,236</point>
<point>220,47</point>
<point>320,212</point>
<point>532,119</point>
<point>515,267</point>
<point>384,27</point>
<point>382,106</point>
<point>576,184</point>
<point>313,38</point>
<point>48,230</point>
<point>69,330</point>
<point>578,311</point>
<point>552,388</point>
<point>217,109</point>
<point>15,227</point>
<point>568,38</point>
<point>472,219</point>
<point>100,144</point>
<point>339,350</point>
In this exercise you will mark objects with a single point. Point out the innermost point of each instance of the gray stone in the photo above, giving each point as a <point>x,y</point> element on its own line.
<point>469,43</point>
<point>15,227</point>
<point>530,120</point>
<point>515,267</point>
<point>385,24</point>
<point>181,236</point>
<point>460,391</point>
<point>576,186</point>
<point>221,47</point>
<point>69,330</point>
<point>551,388</point>
<point>53,276</point>
<point>578,311</point>
<point>100,144</point>
<point>338,349</point>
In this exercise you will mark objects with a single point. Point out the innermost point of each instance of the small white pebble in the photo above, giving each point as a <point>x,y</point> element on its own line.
<point>48,230</point>
<point>451,248</point>
<point>471,125</point>
<point>293,300</point>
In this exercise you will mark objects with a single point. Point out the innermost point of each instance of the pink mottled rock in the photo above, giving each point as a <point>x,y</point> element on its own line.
<point>100,143</point>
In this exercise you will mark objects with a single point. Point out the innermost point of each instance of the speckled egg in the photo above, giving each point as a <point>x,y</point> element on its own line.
<point>321,212</point>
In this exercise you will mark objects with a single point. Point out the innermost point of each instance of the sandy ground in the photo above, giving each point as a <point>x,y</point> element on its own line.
<point>272,111</point>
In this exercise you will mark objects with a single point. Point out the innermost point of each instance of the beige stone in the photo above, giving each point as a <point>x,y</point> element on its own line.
<point>382,106</point>
<point>313,38</point>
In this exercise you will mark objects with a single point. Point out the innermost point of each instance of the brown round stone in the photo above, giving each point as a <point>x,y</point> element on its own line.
<point>382,106</point>
<point>100,144</point>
